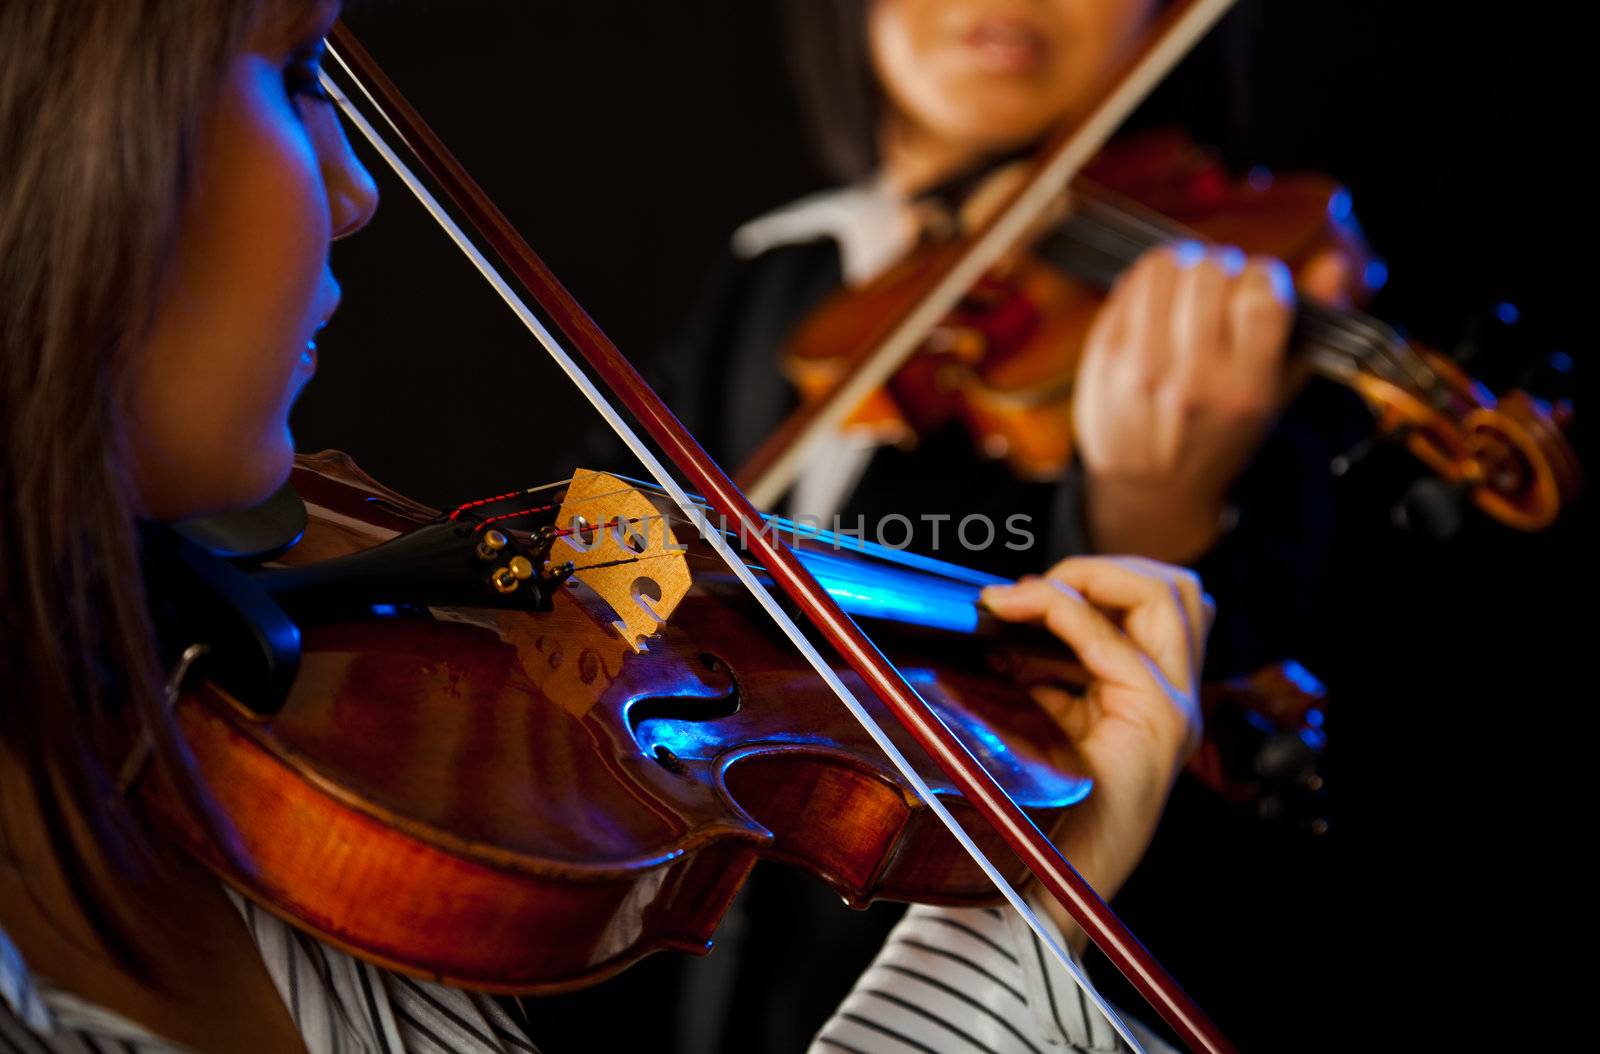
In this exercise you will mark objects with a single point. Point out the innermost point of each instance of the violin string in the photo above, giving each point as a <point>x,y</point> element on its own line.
<point>465,507</point>
<point>840,540</point>
<point>566,532</point>
<point>460,510</point>
<point>626,561</point>
<point>1047,937</point>
<point>486,521</point>
<point>837,540</point>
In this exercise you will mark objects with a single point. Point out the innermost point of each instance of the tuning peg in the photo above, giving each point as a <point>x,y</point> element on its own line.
<point>558,576</point>
<point>1433,508</point>
<point>1342,464</point>
<point>489,547</point>
<point>1287,763</point>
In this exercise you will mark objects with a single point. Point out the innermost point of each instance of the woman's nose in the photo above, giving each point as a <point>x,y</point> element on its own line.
<point>352,192</point>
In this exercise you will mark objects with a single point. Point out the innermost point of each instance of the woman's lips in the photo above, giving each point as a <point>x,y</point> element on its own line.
<point>308,354</point>
<point>307,366</point>
<point>1005,45</point>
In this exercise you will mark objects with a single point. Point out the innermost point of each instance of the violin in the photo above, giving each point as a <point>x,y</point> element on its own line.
<point>530,793</point>
<point>525,742</point>
<point>1001,361</point>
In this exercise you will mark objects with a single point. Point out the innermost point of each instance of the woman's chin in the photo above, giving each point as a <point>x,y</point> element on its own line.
<point>274,472</point>
<point>241,485</point>
<point>998,131</point>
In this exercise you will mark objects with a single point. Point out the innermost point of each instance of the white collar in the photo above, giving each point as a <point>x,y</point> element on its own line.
<point>873,226</point>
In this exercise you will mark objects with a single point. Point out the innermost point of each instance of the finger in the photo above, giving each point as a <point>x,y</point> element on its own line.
<point>1199,313</point>
<point>1260,312</point>
<point>1198,606</point>
<point>1190,587</point>
<point>1261,309</point>
<point>1187,583</point>
<point>1149,310</point>
<point>1103,649</point>
<point>1108,331</point>
<point>1152,624</point>
<point>1157,618</point>
<point>1073,714</point>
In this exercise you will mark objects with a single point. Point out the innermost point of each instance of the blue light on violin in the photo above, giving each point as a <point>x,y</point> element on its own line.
<point>1340,206</point>
<point>697,740</point>
<point>1303,678</point>
<point>1376,274</point>
<point>1260,177</point>
<point>384,611</point>
<point>894,594</point>
<point>1259,722</point>
<point>1507,312</point>
<point>900,557</point>
<point>1561,362</point>
<point>1032,784</point>
<point>995,754</point>
<point>894,584</point>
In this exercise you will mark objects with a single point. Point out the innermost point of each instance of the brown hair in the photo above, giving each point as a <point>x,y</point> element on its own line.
<point>840,100</point>
<point>101,102</point>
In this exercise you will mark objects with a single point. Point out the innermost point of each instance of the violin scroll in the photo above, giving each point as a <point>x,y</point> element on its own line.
<point>1510,455</point>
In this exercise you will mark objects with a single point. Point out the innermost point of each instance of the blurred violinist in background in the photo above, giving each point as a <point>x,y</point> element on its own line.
<point>1189,444</point>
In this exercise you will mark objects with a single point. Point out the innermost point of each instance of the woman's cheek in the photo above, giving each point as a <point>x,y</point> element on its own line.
<point>275,215</point>
<point>213,390</point>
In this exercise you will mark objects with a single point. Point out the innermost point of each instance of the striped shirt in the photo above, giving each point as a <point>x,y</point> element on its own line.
<point>969,981</point>
<point>340,1004</point>
<point>948,980</point>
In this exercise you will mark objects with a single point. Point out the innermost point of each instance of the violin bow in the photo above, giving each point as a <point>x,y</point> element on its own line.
<point>773,469</point>
<point>1041,857</point>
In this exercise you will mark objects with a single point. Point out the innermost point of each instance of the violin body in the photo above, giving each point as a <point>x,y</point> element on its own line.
<point>520,802</point>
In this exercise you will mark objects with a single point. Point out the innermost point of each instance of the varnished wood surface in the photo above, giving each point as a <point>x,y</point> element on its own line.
<point>521,802</point>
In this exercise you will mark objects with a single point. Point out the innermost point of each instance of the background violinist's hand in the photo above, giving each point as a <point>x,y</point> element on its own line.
<point>1182,372</point>
<point>1139,628</point>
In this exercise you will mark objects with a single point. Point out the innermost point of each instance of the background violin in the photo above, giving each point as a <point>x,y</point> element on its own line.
<point>1002,363</point>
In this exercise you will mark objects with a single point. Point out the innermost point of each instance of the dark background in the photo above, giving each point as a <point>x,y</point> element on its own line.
<point>627,140</point>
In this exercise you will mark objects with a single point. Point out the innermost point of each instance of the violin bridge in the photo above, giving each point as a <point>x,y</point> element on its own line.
<point>622,547</point>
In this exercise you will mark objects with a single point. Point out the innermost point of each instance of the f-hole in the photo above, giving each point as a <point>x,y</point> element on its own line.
<point>711,696</point>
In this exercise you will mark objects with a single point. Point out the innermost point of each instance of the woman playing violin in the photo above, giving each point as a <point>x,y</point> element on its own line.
<point>1182,378</point>
<point>913,102</point>
<point>174,177</point>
